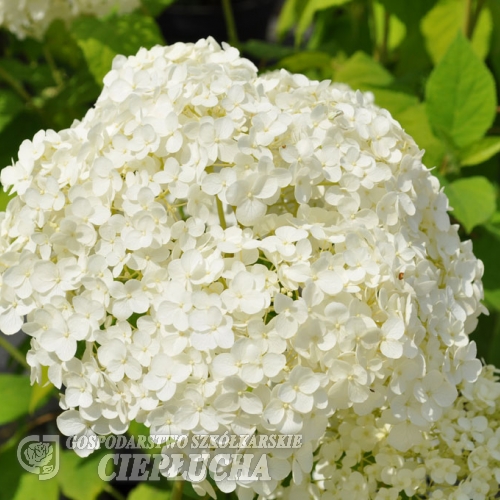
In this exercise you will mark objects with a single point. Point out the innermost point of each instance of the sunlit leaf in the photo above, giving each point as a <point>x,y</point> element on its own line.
<point>361,71</point>
<point>441,24</point>
<point>473,200</point>
<point>289,15</point>
<point>302,61</point>
<point>460,94</point>
<point>146,492</point>
<point>31,488</point>
<point>310,9</point>
<point>78,477</point>
<point>415,122</point>
<point>396,29</point>
<point>16,392</point>
<point>101,40</point>
<point>395,102</point>
<point>480,151</point>
<point>155,7</point>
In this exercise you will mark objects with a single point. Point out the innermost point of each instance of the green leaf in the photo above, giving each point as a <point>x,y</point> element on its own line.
<point>486,249</point>
<point>495,40</point>
<point>136,430</point>
<point>408,12</point>
<point>266,50</point>
<point>101,40</point>
<point>415,122</point>
<point>78,477</point>
<point>303,61</point>
<point>441,24</point>
<point>146,492</point>
<point>395,102</point>
<point>40,392</point>
<point>10,106</point>
<point>156,7</point>
<point>473,200</point>
<point>16,392</point>
<point>311,8</point>
<point>4,200</point>
<point>480,151</point>
<point>341,31</point>
<point>460,95</point>
<point>396,29</point>
<point>289,16</point>
<point>361,71</point>
<point>31,488</point>
<point>11,473</point>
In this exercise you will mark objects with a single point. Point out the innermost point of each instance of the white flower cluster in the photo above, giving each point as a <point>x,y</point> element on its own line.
<point>214,251</point>
<point>33,17</point>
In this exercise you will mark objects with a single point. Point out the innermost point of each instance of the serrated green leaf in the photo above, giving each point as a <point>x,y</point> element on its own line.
<point>415,122</point>
<point>310,9</point>
<point>15,391</point>
<point>473,200</point>
<point>101,40</point>
<point>10,106</point>
<point>362,71</point>
<point>146,492</point>
<point>460,94</point>
<point>441,24</point>
<point>31,488</point>
<point>480,151</point>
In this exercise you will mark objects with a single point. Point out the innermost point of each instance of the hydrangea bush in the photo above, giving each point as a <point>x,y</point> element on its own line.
<point>33,17</point>
<point>210,251</point>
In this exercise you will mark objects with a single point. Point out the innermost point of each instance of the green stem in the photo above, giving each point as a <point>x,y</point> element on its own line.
<point>385,37</point>
<point>372,23</point>
<point>15,353</point>
<point>177,490</point>
<point>230,23</point>
<point>468,18</point>
<point>220,212</point>
<point>475,16</point>
<point>56,75</point>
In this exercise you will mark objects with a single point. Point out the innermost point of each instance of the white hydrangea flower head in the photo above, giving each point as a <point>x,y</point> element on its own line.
<point>212,251</point>
<point>33,17</point>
